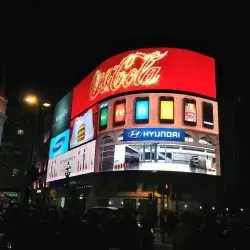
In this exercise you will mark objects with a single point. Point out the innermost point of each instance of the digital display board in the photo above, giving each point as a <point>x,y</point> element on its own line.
<point>119,112</point>
<point>141,110</point>
<point>62,112</point>
<point>135,94</point>
<point>166,109</point>
<point>83,128</point>
<point>59,144</point>
<point>103,116</point>
<point>146,69</point>
<point>154,134</point>
<point>81,160</point>
<point>181,134</point>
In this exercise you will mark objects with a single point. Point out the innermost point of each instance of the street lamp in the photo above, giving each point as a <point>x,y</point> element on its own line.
<point>32,100</point>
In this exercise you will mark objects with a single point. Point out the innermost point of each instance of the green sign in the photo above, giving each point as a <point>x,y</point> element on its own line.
<point>104,117</point>
<point>61,118</point>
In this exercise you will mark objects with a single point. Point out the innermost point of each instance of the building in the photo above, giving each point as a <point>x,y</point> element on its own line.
<point>3,101</point>
<point>39,194</point>
<point>140,131</point>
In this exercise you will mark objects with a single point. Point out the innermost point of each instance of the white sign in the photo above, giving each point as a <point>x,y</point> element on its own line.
<point>83,129</point>
<point>81,160</point>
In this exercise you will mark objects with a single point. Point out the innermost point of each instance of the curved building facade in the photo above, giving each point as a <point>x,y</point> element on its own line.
<point>147,110</point>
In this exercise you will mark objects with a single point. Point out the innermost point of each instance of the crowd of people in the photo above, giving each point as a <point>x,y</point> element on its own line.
<point>65,229</point>
<point>206,230</point>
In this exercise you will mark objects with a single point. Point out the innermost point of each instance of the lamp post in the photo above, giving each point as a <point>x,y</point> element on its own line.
<point>67,175</point>
<point>32,100</point>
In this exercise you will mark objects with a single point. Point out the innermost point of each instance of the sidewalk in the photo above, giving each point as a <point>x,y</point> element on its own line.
<point>158,240</point>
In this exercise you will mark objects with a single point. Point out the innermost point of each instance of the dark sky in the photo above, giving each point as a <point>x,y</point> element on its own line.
<point>50,48</point>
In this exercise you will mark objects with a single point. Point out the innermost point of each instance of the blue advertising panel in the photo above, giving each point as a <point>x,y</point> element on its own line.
<point>154,134</point>
<point>59,144</point>
<point>142,110</point>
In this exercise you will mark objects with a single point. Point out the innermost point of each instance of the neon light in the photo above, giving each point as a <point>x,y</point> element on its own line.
<point>126,74</point>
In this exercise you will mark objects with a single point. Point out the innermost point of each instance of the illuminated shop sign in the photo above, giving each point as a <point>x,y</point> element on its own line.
<point>154,134</point>
<point>146,69</point>
<point>59,144</point>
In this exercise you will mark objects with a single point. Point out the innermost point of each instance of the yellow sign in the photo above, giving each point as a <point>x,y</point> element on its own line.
<point>167,110</point>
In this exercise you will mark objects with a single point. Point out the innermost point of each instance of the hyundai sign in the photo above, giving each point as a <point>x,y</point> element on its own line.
<point>59,144</point>
<point>154,134</point>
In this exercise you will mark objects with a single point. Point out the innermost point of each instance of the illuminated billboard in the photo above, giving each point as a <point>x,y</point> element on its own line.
<point>62,112</point>
<point>83,128</point>
<point>148,109</point>
<point>81,161</point>
<point>181,133</point>
<point>150,69</point>
<point>59,144</point>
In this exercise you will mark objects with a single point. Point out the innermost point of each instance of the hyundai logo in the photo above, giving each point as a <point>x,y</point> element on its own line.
<point>58,144</point>
<point>134,134</point>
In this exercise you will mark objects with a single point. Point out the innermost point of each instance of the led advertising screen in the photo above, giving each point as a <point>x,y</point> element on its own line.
<point>149,69</point>
<point>62,112</point>
<point>83,128</point>
<point>181,134</point>
<point>141,110</point>
<point>151,109</point>
<point>103,117</point>
<point>119,112</point>
<point>59,144</point>
<point>80,159</point>
<point>166,106</point>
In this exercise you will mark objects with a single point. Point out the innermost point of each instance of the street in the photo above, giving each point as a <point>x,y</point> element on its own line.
<point>158,244</point>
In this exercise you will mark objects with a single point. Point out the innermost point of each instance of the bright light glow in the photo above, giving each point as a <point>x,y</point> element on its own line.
<point>122,202</point>
<point>110,202</point>
<point>131,76</point>
<point>31,99</point>
<point>185,206</point>
<point>200,207</point>
<point>138,204</point>
<point>241,209</point>
<point>166,205</point>
<point>213,208</point>
<point>46,104</point>
<point>226,209</point>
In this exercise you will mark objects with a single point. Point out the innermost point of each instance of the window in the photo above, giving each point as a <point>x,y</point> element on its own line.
<point>20,132</point>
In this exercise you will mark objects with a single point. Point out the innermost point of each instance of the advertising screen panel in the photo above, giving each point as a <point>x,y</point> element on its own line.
<point>59,144</point>
<point>189,111</point>
<point>141,110</point>
<point>83,128</point>
<point>62,112</point>
<point>181,134</point>
<point>103,117</point>
<point>154,134</point>
<point>146,70</point>
<point>208,117</point>
<point>119,112</point>
<point>81,160</point>
<point>166,109</point>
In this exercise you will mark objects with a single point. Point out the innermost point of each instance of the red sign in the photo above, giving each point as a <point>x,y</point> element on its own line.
<point>120,112</point>
<point>146,69</point>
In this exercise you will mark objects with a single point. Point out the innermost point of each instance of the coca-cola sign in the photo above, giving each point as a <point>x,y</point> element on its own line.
<point>126,73</point>
<point>164,69</point>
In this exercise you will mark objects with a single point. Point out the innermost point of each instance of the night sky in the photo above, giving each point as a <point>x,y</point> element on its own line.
<point>49,48</point>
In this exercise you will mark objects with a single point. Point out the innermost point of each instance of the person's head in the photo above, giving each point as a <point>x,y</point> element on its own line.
<point>92,217</point>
